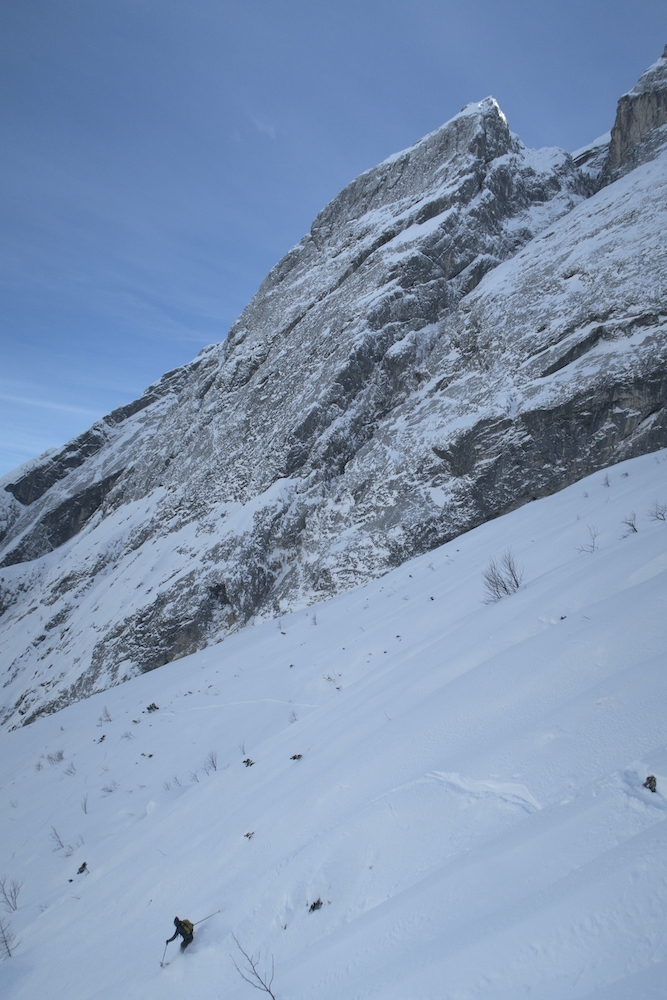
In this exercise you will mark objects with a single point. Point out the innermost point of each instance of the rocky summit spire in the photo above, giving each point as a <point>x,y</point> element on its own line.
<point>641,111</point>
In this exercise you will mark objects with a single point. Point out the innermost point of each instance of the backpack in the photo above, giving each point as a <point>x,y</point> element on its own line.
<point>188,927</point>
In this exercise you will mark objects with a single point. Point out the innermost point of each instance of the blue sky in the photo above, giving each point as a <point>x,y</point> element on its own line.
<point>159,156</point>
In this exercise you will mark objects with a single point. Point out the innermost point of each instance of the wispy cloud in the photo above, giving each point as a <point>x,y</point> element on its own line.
<point>265,129</point>
<point>46,404</point>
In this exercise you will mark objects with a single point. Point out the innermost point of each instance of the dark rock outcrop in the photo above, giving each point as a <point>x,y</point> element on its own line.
<point>61,523</point>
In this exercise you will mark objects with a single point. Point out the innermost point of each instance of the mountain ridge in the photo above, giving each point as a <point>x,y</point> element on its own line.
<point>437,350</point>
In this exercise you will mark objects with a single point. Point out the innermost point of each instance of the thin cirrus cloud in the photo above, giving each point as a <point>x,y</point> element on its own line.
<point>264,129</point>
<point>46,404</point>
<point>33,422</point>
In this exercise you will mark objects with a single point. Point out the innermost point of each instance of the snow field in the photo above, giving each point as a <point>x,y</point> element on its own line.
<point>468,805</point>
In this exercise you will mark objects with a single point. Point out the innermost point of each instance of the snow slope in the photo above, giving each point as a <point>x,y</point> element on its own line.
<point>468,805</point>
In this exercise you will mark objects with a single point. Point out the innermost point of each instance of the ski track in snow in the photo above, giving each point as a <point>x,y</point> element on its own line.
<point>469,804</point>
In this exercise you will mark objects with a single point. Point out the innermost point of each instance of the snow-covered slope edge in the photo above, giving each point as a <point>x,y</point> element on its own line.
<point>468,805</point>
<point>461,331</point>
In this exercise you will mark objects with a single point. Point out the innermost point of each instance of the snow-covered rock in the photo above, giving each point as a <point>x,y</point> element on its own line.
<point>467,326</point>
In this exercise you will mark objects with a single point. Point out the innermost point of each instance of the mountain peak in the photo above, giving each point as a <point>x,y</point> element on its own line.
<point>459,332</point>
<point>655,77</point>
<point>640,116</point>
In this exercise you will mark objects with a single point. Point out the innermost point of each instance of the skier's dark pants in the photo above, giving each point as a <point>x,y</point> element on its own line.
<point>186,941</point>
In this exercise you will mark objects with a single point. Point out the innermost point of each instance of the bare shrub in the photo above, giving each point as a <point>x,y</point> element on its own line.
<point>658,511</point>
<point>109,788</point>
<point>250,972</point>
<point>592,544</point>
<point>55,757</point>
<point>631,524</point>
<point>84,802</point>
<point>212,760</point>
<point>502,577</point>
<point>9,893</point>
<point>7,939</point>
<point>127,735</point>
<point>104,717</point>
<point>70,769</point>
<point>71,848</point>
<point>57,839</point>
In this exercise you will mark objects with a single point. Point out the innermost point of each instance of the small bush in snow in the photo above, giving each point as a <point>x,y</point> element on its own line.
<point>84,802</point>
<point>7,939</point>
<point>104,717</point>
<point>9,893</point>
<point>212,761</point>
<point>57,839</point>
<point>592,544</point>
<point>71,848</point>
<point>658,511</point>
<point>56,757</point>
<point>502,577</point>
<point>250,973</point>
<point>631,524</point>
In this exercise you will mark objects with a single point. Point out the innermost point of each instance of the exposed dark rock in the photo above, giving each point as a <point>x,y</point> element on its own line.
<point>61,523</point>
<point>35,483</point>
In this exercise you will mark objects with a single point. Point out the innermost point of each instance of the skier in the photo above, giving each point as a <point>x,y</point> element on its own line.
<point>186,929</point>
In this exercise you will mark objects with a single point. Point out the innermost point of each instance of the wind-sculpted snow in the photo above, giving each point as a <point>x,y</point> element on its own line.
<point>466,327</point>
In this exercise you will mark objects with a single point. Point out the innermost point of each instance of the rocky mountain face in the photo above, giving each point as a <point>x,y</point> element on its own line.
<point>467,326</point>
<point>640,115</point>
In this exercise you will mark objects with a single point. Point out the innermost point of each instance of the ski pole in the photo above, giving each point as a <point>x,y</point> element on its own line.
<point>206,918</point>
<point>164,953</point>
